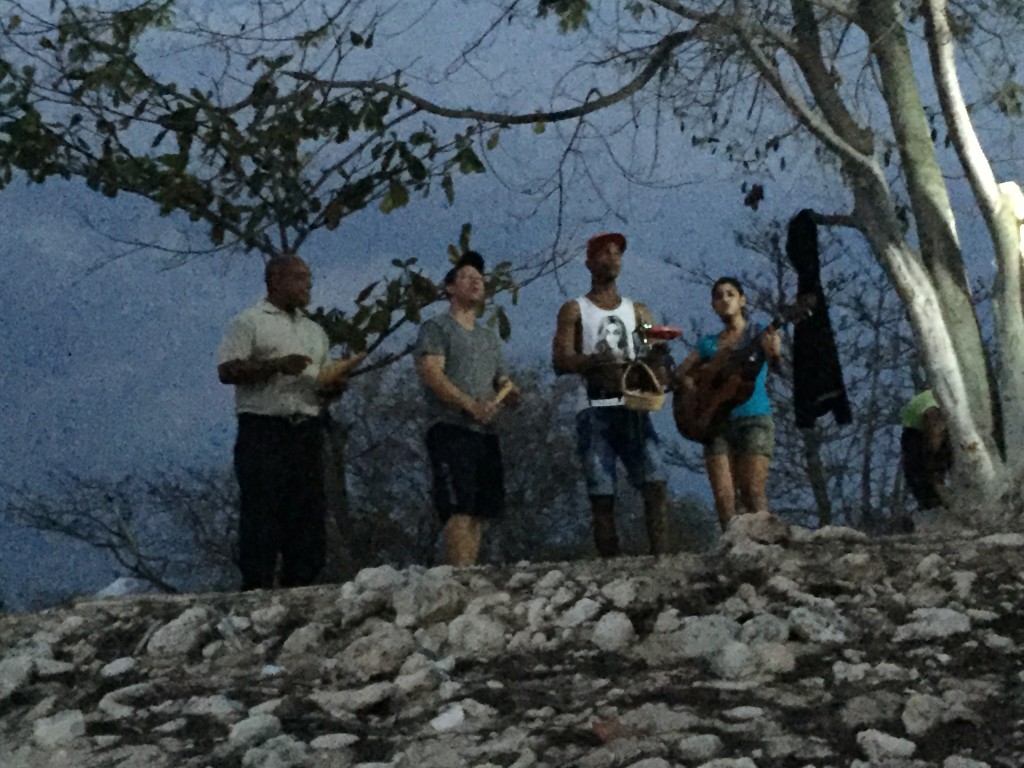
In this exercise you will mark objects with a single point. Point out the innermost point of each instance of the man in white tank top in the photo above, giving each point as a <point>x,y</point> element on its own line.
<point>595,339</point>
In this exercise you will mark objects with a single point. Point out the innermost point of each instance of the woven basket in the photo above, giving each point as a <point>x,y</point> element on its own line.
<point>641,390</point>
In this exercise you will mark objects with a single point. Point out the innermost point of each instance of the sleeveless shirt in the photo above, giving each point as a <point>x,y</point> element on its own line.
<point>606,329</point>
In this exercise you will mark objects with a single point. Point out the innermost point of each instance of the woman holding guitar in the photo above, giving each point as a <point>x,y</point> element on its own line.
<point>738,457</point>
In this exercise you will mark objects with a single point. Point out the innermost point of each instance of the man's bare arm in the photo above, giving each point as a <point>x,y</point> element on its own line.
<point>430,369</point>
<point>258,371</point>
<point>565,354</point>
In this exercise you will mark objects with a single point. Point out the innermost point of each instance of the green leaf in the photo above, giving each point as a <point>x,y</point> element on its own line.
<point>449,188</point>
<point>334,212</point>
<point>365,293</point>
<point>504,326</point>
<point>492,140</point>
<point>355,37</point>
<point>539,127</point>
<point>396,197</point>
<point>468,161</point>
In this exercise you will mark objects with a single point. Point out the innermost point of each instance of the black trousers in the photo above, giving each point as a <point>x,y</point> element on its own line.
<point>280,470</point>
<point>921,470</point>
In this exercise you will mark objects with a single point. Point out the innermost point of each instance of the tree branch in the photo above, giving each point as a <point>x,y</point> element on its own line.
<point>659,58</point>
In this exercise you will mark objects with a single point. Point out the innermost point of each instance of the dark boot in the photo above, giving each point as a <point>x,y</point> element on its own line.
<point>606,538</point>
<point>656,517</point>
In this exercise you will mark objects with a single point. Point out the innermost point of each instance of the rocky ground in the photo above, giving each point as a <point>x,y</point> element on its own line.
<point>782,649</point>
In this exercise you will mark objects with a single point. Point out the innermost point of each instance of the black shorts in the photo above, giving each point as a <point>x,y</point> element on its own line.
<point>468,476</point>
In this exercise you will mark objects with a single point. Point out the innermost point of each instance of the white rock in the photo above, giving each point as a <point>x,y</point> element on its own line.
<point>279,752</point>
<point>266,620</point>
<point>613,632</point>
<point>878,746</point>
<point>449,718</point>
<point>621,593</point>
<point>118,667</point>
<point>254,730</point>
<point>307,639</point>
<point>933,624</point>
<point>820,625</point>
<point>1013,540</point>
<point>217,706</point>
<point>59,730</point>
<point>339,703</point>
<point>764,628</point>
<point>381,577</point>
<point>922,713</point>
<point>734,661</point>
<point>702,746</point>
<point>332,741</point>
<point>182,635</point>
<point>115,705</point>
<point>477,636</point>
<point>381,652</point>
<point>774,658</point>
<point>729,762</point>
<point>14,673</point>
<point>428,599</point>
<point>550,581</point>
<point>955,761</point>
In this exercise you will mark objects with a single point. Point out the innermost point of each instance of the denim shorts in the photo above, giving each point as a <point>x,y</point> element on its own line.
<point>616,432</point>
<point>744,436</point>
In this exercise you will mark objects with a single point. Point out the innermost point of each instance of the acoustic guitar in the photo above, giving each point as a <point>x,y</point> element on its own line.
<point>727,379</point>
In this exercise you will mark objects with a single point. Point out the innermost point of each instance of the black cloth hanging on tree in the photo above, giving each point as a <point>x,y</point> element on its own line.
<point>818,386</point>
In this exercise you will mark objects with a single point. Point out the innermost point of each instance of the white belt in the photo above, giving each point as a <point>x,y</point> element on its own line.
<point>606,402</point>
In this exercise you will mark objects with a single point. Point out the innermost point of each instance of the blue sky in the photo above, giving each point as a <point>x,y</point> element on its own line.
<point>109,362</point>
<point>109,365</point>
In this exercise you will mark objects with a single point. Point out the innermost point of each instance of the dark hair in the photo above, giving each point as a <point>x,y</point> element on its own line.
<point>734,282</point>
<point>278,263</point>
<point>468,259</point>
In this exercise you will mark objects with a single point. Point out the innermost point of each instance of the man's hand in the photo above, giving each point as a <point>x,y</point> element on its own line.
<point>604,371</point>
<point>292,365</point>
<point>483,410</point>
<point>508,393</point>
<point>659,360</point>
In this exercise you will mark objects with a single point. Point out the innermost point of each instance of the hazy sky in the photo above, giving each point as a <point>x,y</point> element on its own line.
<point>109,365</point>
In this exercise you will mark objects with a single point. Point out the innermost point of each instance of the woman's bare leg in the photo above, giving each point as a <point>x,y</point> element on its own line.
<point>752,482</point>
<point>720,476</point>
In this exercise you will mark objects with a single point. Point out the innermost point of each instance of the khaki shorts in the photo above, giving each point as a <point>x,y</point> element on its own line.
<point>745,436</point>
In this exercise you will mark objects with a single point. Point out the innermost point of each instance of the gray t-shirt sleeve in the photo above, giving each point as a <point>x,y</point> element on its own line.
<point>431,340</point>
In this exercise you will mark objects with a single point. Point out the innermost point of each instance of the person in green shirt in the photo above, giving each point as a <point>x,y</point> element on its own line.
<point>924,450</point>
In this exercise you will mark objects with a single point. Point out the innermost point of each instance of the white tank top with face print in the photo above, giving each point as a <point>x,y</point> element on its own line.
<point>606,329</point>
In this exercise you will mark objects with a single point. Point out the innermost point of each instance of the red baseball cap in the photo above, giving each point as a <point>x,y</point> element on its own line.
<point>597,242</point>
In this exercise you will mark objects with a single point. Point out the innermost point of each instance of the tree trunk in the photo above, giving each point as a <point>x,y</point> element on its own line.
<point>816,475</point>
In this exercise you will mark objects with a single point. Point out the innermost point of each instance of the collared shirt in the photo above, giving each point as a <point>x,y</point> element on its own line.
<point>263,332</point>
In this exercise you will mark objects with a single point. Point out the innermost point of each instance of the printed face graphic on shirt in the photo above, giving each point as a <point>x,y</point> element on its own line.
<point>611,336</point>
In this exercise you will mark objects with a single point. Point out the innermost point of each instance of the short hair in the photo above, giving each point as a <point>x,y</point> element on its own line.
<point>278,263</point>
<point>468,259</point>
<point>728,280</point>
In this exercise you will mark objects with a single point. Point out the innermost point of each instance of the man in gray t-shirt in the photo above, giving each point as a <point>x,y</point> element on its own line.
<point>460,364</point>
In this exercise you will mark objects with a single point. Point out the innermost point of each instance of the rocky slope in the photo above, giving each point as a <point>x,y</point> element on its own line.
<point>782,649</point>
